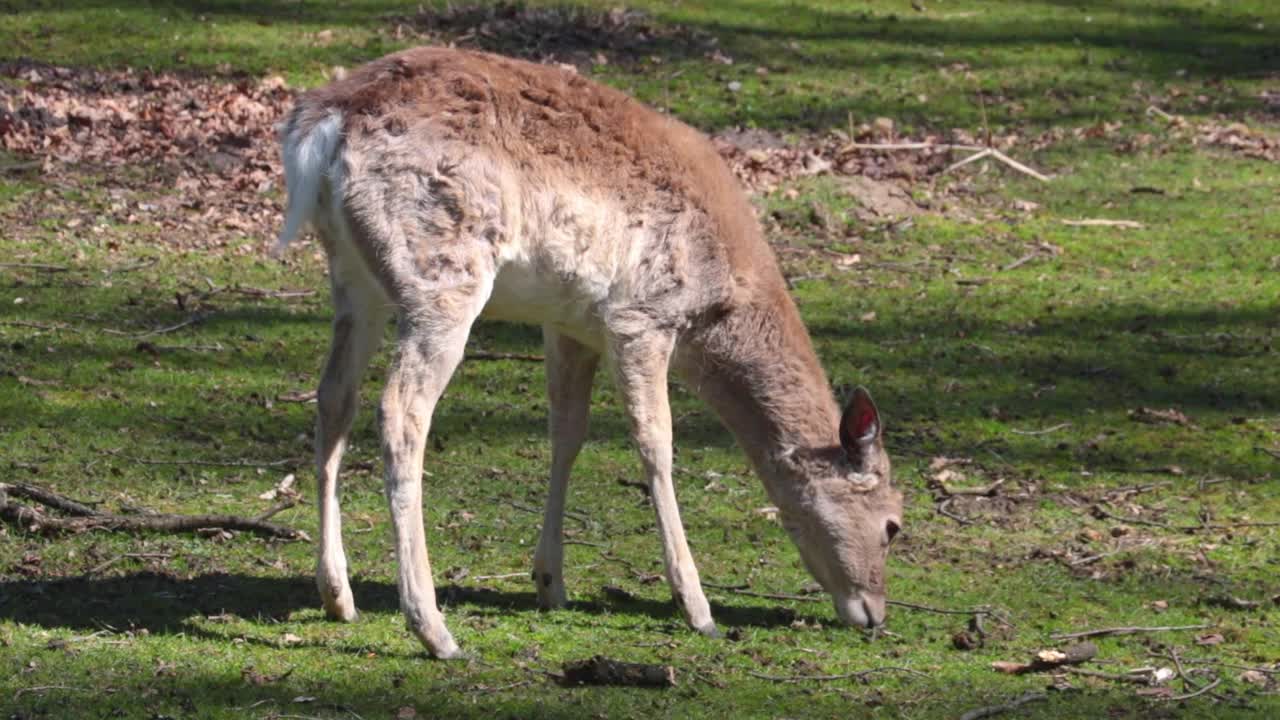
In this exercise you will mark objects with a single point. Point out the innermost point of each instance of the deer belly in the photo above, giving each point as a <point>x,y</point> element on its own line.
<point>523,295</point>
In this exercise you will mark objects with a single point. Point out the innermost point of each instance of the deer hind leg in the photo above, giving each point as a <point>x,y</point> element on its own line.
<point>430,348</point>
<point>430,229</point>
<point>640,364</point>
<point>360,317</point>
<point>571,366</point>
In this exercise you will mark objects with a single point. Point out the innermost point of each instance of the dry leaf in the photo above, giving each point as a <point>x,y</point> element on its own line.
<point>1051,656</point>
<point>1253,677</point>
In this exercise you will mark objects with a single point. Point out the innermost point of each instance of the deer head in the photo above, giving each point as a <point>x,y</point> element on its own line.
<point>843,513</point>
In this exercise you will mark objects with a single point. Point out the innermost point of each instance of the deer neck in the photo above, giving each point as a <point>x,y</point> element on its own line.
<point>756,367</point>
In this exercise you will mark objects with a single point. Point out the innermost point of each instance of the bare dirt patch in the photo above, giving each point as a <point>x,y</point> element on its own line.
<point>579,36</point>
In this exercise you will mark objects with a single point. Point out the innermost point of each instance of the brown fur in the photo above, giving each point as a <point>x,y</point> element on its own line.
<point>467,182</point>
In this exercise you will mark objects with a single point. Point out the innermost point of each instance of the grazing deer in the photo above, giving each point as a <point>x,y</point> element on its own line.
<point>448,185</point>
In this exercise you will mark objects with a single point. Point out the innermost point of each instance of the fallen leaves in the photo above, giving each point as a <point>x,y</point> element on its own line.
<point>204,138</point>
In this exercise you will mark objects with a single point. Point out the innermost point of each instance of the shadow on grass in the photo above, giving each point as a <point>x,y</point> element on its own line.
<point>167,604</point>
<point>1070,365</point>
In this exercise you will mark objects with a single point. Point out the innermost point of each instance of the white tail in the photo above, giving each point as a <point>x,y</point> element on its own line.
<point>448,184</point>
<point>308,156</point>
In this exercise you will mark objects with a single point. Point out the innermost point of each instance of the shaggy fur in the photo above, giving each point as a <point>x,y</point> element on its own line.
<point>446,184</point>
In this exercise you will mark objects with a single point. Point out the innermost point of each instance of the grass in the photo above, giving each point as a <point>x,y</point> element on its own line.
<point>1178,314</point>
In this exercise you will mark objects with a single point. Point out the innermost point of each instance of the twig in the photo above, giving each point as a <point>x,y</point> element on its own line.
<point>972,158</point>
<point>990,710</point>
<point>40,326</point>
<point>497,688</point>
<point>485,355</point>
<point>279,507</point>
<point>265,293</point>
<point>982,151</point>
<point>984,491</point>
<point>1102,222</point>
<point>769,595</point>
<point>1135,489</point>
<point>586,522</point>
<point>203,463</point>
<point>194,319</point>
<point>1211,661</point>
<point>89,519</point>
<point>1273,453</point>
<point>41,688</point>
<point>1216,682</point>
<point>1101,512</point>
<point>910,146</point>
<point>502,576</point>
<point>36,266</point>
<point>1045,431</point>
<point>1126,631</point>
<point>977,612</point>
<point>1018,166</point>
<point>37,521</point>
<point>1182,672</point>
<point>942,510</point>
<point>132,556</point>
<point>45,497</point>
<point>1022,260</point>
<point>829,678</point>
<point>130,268</point>
<point>1114,677</point>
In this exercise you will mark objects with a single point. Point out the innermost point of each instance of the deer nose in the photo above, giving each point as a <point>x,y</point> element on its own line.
<point>873,607</point>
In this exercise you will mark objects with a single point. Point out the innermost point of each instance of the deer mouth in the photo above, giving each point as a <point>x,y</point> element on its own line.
<point>861,609</point>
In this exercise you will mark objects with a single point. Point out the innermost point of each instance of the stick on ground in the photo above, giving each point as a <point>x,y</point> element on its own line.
<point>1126,631</point>
<point>86,518</point>
<point>990,710</point>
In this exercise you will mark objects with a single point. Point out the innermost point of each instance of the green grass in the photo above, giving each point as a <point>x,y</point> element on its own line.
<point>1181,313</point>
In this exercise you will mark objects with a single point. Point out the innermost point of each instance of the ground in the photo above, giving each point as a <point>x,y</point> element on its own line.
<point>1109,390</point>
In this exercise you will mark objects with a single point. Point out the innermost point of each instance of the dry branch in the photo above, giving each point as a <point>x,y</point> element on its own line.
<point>981,153</point>
<point>45,497</point>
<point>202,463</point>
<point>86,518</point>
<point>1101,512</point>
<point>1045,431</point>
<point>36,266</point>
<point>830,678</point>
<point>1216,682</point>
<point>1126,631</point>
<point>1103,222</point>
<point>983,491</point>
<point>194,319</point>
<point>772,596</point>
<point>1139,679</point>
<point>990,710</point>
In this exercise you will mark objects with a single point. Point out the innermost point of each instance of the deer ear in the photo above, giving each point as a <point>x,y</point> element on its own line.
<point>860,425</point>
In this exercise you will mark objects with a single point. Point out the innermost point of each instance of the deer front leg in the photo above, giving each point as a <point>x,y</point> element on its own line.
<point>571,367</point>
<point>359,320</point>
<point>641,362</point>
<point>424,363</point>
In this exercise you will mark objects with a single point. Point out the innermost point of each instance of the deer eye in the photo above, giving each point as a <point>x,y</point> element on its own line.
<point>891,529</point>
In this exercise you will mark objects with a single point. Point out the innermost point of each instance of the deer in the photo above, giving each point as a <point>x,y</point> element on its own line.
<point>448,185</point>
